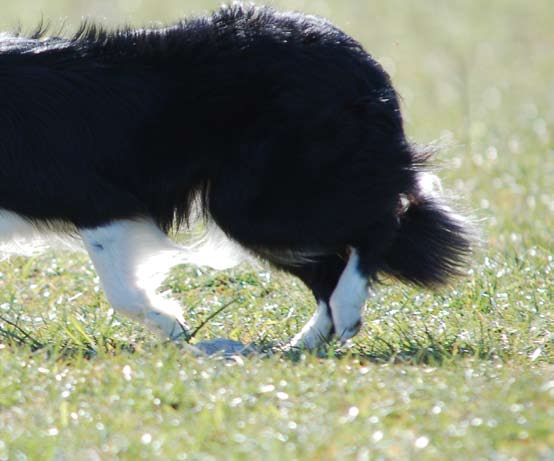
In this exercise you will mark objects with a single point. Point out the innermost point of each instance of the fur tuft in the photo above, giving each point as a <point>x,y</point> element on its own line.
<point>20,236</point>
<point>214,249</point>
<point>433,243</point>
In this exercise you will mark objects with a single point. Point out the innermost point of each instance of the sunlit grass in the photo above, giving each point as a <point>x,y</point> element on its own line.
<point>463,374</point>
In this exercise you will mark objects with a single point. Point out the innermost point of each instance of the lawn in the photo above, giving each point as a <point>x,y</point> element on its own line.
<point>462,374</point>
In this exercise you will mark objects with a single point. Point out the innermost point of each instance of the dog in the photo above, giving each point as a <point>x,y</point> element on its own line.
<point>275,129</point>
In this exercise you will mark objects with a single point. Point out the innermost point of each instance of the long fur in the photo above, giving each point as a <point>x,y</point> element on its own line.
<point>277,129</point>
<point>433,242</point>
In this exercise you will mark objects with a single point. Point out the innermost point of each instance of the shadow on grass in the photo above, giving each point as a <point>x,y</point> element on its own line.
<point>407,348</point>
<point>412,350</point>
<point>401,354</point>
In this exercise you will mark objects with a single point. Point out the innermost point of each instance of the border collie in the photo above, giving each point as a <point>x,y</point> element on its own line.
<point>275,129</point>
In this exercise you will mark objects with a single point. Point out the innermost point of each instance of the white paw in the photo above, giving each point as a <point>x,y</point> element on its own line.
<point>318,330</point>
<point>167,325</point>
<point>311,339</point>
<point>348,329</point>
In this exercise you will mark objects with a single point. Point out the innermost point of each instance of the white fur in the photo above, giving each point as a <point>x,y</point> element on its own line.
<point>214,249</point>
<point>348,299</point>
<point>429,184</point>
<point>317,331</point>
<point>132,258</point>
<point>20,236</point>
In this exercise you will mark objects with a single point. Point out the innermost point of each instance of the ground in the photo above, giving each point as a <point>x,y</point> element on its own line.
<point>466,373</point>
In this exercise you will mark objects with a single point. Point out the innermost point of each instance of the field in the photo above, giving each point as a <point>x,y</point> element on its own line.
<point>463,374</point>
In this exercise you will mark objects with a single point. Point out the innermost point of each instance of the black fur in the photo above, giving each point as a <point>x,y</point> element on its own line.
<point>282,126</point>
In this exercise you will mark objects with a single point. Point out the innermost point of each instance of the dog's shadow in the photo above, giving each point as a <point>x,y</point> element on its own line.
<point>413,354</point>
<point>378,351</point>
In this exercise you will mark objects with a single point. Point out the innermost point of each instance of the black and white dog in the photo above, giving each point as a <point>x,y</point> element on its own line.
<point>277,129</point>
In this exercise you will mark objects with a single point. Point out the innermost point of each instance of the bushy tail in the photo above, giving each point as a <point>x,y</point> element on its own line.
<point>433,243</point>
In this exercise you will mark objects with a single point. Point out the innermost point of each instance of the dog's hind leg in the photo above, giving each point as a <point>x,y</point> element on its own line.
<point>132,258</point>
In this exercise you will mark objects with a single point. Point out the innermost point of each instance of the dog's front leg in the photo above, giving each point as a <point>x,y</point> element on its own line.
<point>132,258</point>
<point>348,298</point>
<point>318,330</point>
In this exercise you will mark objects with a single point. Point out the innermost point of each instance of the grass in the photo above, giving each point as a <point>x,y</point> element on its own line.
<point>464,374</point>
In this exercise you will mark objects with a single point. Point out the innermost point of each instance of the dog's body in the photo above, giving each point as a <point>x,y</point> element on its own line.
<point>277,127</point>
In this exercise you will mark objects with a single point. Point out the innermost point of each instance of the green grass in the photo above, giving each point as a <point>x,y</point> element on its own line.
<point>465,374</point>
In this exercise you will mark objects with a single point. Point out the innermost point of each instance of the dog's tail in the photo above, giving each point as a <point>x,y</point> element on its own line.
<point>433,243</point>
